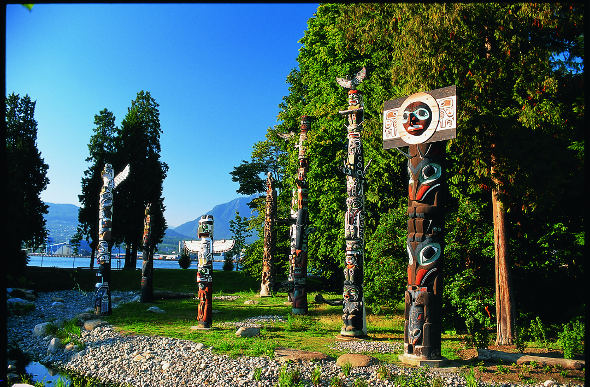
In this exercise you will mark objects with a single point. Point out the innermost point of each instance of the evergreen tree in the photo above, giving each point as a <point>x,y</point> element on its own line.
<point>26,179</point>
<point>138,144</point>
<point>101,150</point>
<point>239,229</point>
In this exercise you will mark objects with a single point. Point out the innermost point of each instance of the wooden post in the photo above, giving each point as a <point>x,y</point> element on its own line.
<point>147,267</point>
<point>269,238</point>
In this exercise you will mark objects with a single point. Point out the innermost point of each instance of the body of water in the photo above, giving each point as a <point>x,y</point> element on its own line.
<point>116,263</point>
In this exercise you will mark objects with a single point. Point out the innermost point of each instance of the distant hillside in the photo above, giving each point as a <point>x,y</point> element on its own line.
<point>61,221</point>
<point>222,214</point>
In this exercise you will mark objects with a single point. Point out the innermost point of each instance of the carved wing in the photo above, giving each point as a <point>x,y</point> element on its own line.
<point>223,245</point>
<point>122,175</point>
<point>193,246</point>
<point>286,136</point>
<point>347,83</point>
<point>358,78</point>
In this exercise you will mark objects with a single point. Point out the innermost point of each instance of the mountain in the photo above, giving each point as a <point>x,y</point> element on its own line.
<point>61,221</point>
<point>222,214</point>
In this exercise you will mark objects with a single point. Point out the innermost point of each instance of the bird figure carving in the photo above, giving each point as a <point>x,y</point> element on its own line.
<point>355,81</point>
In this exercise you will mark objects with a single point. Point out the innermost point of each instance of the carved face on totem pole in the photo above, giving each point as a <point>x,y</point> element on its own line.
<point>205,228</point>
<point>416,118</point>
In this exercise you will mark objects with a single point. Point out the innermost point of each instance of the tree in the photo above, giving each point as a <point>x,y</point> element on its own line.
<point>138,144</point>
<point>101,150</point>
<point>26,179</point>
<point>239,229</point>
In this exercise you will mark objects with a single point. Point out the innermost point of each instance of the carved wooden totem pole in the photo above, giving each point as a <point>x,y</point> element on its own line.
<point>269,238</point>
<point>102,299</point>
<point>421,122</point>
<point>300,228</point>
<point>205,271</point>
<point>354,314</point>
<point>147,267</point>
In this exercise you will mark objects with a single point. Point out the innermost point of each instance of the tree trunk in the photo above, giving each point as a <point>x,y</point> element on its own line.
<point>127,264</point>
<point>92,258</point>
<point>504,312</point>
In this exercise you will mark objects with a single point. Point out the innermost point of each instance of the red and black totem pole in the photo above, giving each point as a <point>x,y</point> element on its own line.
<point>300,228</point>
<point>205,271</point>
<point>269,238</point>
<point>422,121</point>
<point>147,267</point>
<point>354,313</point>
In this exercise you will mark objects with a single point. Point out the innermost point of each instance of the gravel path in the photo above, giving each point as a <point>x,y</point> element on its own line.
<point>163,361</point>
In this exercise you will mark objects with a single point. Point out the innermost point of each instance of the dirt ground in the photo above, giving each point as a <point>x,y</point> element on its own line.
<point>503,372</point>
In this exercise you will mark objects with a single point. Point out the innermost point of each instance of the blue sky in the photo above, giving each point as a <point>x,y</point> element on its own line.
<point>218,72</point>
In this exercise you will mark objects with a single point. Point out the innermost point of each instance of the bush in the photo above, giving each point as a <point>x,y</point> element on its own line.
<point>571,338</point>
<point>185,260</point>
<point>228,262</point>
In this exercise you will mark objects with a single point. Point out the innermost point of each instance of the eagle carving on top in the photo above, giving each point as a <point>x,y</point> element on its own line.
<point>355,81</point>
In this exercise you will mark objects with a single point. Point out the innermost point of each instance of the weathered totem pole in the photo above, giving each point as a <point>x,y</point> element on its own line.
<point>300,228</point>
<point>354,314</point>
<point>147,267</point>
<point>205,271</point>
<point>269,238</point>
<point>421,121</point>
<point>102,299</point>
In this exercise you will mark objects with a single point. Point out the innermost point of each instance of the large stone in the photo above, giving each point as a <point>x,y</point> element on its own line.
<point>289,354</point>
<point>247,332</point>
<point>421,362</point>
<point>41,329</point>
<point>355,360</point>
<point>54,345</point>
<point>26,294</point>
<point>58,304</point>
<point>19,306</point>
<point>91,324</point>
<point>249,302</point>
<point>155,309</point>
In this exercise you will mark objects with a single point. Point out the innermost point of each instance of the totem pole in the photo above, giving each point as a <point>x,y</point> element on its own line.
<point>300,229</point>
<point>269,238</point>
<point>421,122</point>
<point>147,267</point>
<point>102,299</point>
<point>354,314</point>
<point>205,249</point>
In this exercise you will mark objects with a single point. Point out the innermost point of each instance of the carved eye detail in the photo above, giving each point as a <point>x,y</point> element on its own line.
<point>430,173</point>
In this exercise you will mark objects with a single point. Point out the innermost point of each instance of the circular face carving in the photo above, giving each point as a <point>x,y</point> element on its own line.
<point>417,118</point>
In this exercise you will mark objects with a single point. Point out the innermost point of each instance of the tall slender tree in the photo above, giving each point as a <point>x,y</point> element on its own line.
<point>138,144</point>
<point>101,150</point>
<point>26,179</point>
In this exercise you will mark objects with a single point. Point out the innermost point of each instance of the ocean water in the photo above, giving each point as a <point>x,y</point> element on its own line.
<point>116,263</point>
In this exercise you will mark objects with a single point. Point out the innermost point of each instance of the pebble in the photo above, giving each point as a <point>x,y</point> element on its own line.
<point>162,361</point>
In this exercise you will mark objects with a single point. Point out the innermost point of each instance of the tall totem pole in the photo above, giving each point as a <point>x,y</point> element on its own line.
<point>205,271</point>
<point>269,238</point>
<point>421,122</point>
<point>354,314</point>
<point>300,228</point>
<point>147,267</point>
<point>102,299</point>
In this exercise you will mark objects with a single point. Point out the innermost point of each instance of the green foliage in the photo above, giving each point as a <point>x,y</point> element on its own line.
<point>346,367</point>
<point>539,332</point>
<point>228,262</point>
<point>316,375</point>
<point>360,383</point>
<point>571,339</point>
<point>470,379</point>
<point>382,372</point>
<point>257,374</point>
<point>289,377</point>
<point>470,300</point>
<point>185,260</point>
<point>418,377</point>
<point>239,229</point>
<point>26,178</point>
<point>335,381</point>
<point>519,340</point>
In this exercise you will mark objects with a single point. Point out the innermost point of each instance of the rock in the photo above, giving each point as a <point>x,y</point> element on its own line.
<point>19,306</point>
<point>27,294</point>
<point>58,304</point>
<point>200,346</point>
<point>155,309</point>
<point>41,329</point>
<point>69,347</point>
<point>84,316</point>
<point>138,358</point>
<point>247,332</point>
<point>355,359</point>
<point>91,324</point>
<point>249,302</point>
<point>549,382</point>
<point>135,299</point>
<point>54,345</point>
<point>289,354</point>
<point>165,365</point>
